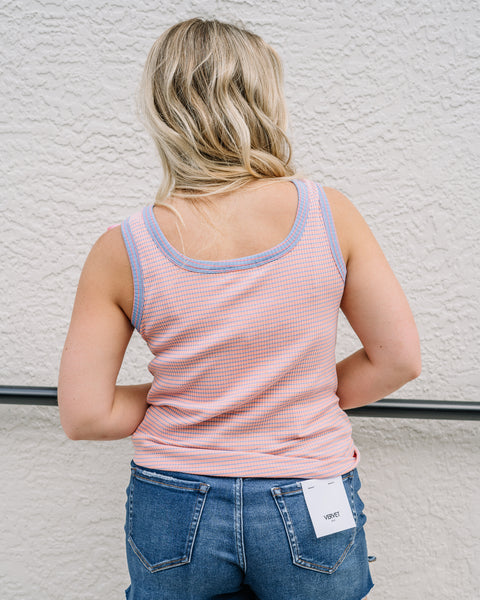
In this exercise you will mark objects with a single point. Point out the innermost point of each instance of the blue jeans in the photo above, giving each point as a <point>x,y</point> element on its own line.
<point>192,537</point>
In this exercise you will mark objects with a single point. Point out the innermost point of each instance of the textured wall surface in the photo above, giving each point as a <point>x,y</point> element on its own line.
<point>384,102</point>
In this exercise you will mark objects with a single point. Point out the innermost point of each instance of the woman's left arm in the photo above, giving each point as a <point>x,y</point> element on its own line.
<point>92,406</point>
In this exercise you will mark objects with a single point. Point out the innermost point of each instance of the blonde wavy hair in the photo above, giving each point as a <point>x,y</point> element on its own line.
<point>212,98</point>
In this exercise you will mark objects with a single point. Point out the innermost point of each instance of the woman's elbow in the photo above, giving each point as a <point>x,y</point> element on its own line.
<point>409,364</point>
<point>72,429</point>
<point>73,435</point>
<point>400,363</point>
<point>83,431</point>
<point>76,424</point>
<point>414,369</point>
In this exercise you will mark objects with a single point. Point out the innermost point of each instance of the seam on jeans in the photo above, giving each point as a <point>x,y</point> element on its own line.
<point>352,503</point>
<point>348,475</point>
<point>203,487</point>
<point>238,523</point>
<point>278,491</point>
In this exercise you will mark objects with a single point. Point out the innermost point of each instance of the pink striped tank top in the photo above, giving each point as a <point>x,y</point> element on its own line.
<point>243,366</point>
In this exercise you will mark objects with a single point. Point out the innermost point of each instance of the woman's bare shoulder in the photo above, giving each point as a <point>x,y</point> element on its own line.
<point>343,209</point>
<point>349,224</point>
<point>108,267</point>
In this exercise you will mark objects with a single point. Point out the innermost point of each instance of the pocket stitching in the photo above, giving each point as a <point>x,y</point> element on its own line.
<point>201,492</point>
<point>292,538</point>
<point>198,487</point>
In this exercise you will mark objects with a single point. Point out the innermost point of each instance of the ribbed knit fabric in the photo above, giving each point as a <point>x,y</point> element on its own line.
<point>244,352</point>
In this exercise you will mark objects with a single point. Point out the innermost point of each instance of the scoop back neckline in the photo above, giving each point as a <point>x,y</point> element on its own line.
<point>233,264</point>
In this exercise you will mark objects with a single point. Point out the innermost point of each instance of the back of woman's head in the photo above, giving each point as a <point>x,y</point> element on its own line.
<point>212,97</point>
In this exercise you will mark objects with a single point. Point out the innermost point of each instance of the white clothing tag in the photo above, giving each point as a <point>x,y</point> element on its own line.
<point>328,505</point>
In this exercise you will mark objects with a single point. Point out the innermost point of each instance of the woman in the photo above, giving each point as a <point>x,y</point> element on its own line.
<point>234,278</point>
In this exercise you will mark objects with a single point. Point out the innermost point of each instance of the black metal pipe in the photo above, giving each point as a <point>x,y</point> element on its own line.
<point>39,396</point>
<point>419,409</point>
<point>387,408</point>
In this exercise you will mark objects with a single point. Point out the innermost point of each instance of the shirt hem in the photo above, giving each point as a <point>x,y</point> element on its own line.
<point>269,466</point>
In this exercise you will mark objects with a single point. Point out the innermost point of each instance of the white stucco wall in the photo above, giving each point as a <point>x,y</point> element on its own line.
<point>384,102</point>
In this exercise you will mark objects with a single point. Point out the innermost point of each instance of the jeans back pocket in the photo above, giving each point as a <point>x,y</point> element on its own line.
<point>324,554</point>
<point>163,514</point>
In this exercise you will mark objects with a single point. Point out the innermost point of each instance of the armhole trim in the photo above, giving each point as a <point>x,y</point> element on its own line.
<point>138,295</point>
<point>331,232</point>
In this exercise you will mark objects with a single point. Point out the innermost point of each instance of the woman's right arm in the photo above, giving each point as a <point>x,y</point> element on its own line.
<point>92,406</point>
<point>378,311</point>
